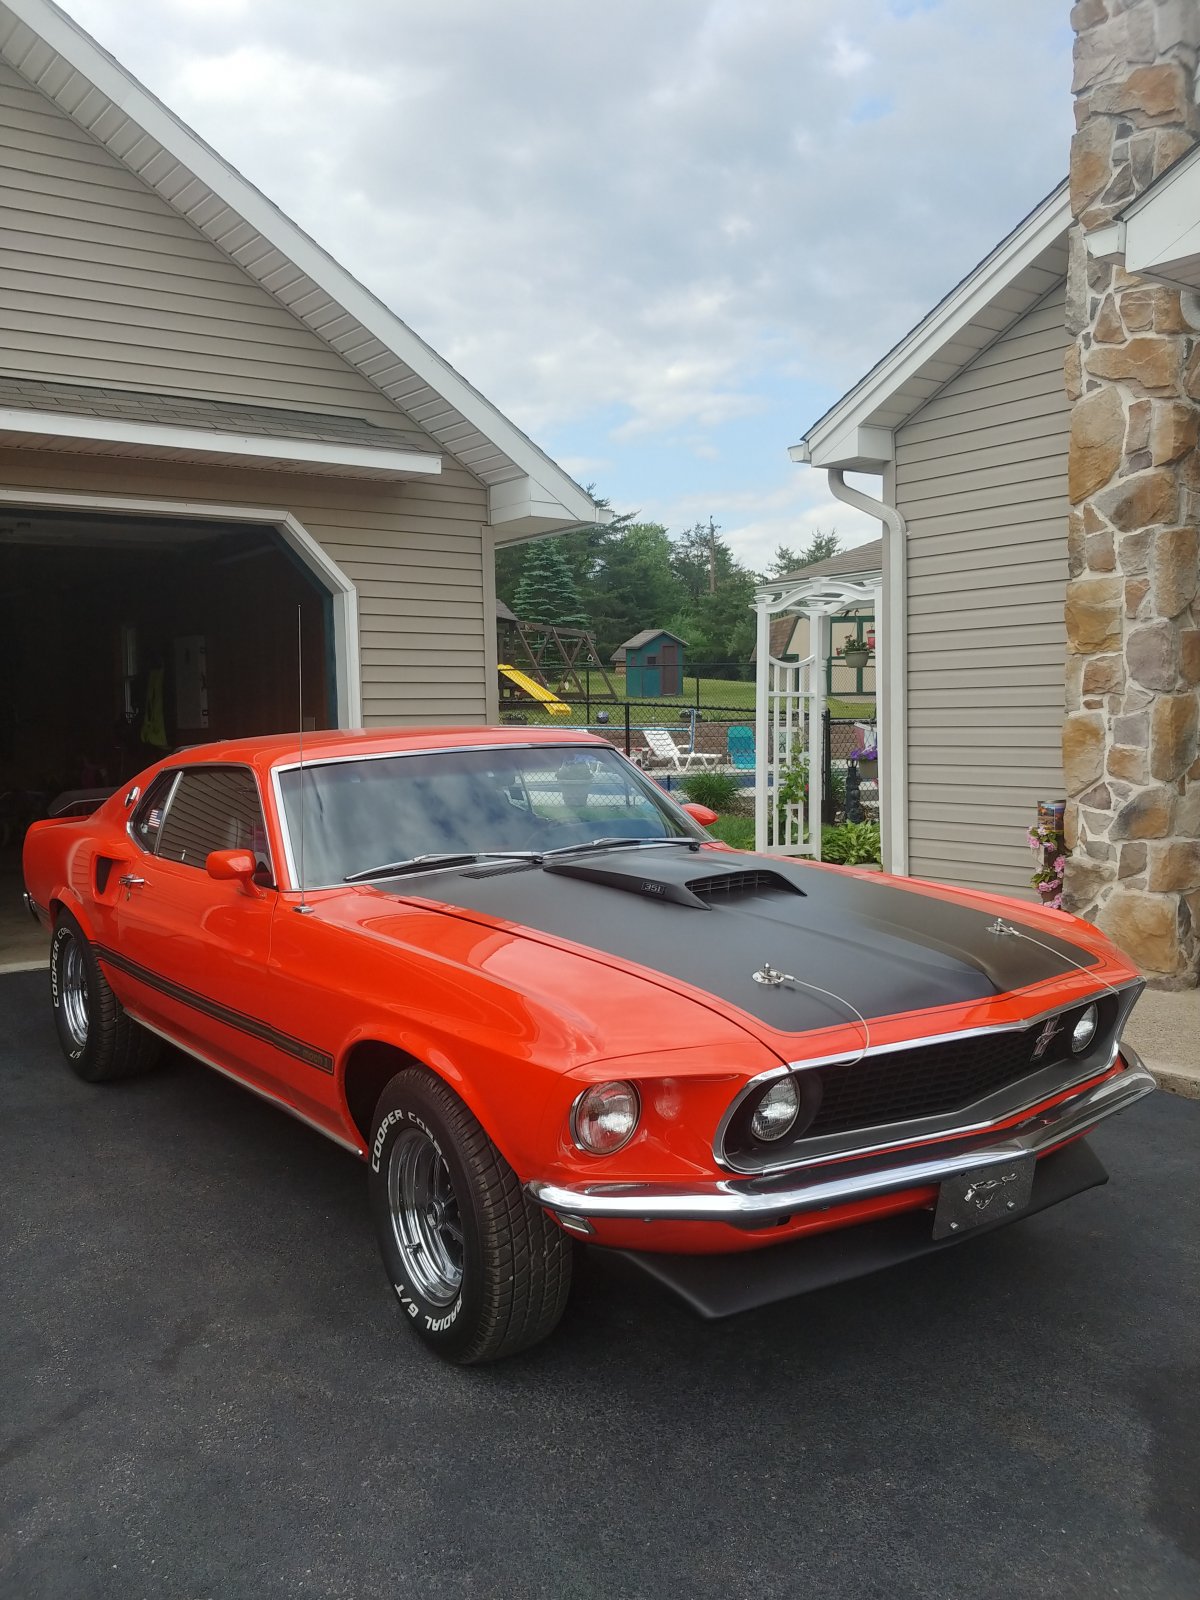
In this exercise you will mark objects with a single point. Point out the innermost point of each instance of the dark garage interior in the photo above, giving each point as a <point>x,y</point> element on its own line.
<point>122,638</point>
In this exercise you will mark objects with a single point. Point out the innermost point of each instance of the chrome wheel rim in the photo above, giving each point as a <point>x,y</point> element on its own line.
<point>425,1217</point>
<point>73,993</point>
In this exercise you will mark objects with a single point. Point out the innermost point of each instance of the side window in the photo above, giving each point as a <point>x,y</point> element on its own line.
<point>214,808</point>
<point>146,822</point>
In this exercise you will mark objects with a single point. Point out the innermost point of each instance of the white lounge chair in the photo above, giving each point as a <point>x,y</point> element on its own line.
<point>665,749</point>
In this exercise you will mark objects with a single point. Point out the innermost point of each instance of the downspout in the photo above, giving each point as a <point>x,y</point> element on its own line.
<point>893,725</point>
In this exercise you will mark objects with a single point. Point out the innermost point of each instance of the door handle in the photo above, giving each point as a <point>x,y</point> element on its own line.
<point>130,882</point>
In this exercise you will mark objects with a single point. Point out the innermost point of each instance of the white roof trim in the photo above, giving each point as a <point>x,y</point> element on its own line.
<point>1158,236</point>
<point>855,435</point>
<point>51,52</point>
<point>153,438</point>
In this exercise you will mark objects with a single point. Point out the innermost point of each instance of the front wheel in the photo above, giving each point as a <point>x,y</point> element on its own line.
<point>480,1272</point>
<point>100,1041</point>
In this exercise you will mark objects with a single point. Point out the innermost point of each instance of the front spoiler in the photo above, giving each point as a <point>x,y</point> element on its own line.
<point>721,1286</point>
<point>763,1202</point>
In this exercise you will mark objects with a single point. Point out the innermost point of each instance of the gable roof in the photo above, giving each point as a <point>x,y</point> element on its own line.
<point>782,627</point>
<point>862,559</point>
<point>528,493</point>
<point>855,434</point>
<point>643,638</point>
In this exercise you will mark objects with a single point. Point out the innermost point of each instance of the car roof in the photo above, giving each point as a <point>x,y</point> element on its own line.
<point>282,749</point>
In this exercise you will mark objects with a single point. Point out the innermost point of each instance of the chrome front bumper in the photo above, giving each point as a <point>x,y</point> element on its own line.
<point>762,1202</point>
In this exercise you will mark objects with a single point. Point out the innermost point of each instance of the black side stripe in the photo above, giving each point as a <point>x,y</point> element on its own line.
<point>309,1054</point>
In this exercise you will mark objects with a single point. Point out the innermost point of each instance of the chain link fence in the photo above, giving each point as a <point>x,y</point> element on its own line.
<point>713,734</point>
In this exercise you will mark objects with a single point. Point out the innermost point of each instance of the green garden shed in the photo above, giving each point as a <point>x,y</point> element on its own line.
<point>653,661</point>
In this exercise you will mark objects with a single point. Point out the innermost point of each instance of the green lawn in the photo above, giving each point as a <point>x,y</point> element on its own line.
<point>732,694</point>
<point>734,830</point>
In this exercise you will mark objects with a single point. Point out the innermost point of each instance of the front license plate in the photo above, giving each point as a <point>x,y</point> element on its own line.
<point>981,1195</point>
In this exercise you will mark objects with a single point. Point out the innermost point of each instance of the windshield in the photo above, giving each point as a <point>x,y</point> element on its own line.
<point>364,811</point>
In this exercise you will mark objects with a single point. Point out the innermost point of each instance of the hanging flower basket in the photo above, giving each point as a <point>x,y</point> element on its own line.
<point>856,658</point>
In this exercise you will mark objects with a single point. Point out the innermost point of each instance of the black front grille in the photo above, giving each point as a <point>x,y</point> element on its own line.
<point>909,1085</point>
<point>904,1085</point>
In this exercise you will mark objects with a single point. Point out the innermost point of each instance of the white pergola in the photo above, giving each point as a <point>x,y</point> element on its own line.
<point>790,704</point>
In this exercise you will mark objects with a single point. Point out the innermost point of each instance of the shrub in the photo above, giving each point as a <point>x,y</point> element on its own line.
<point>793,786</point>
<point>851,844</point>
<point>717,790</point>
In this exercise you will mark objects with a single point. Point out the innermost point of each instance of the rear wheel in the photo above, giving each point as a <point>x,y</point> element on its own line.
<point>480,1272</point>
<point>99,1039</point>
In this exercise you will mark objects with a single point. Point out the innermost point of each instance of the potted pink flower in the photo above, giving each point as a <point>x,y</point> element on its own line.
<point>1046,842</point>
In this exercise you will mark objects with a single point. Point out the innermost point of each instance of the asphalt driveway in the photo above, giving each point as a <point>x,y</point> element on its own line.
<point>206,1391</point>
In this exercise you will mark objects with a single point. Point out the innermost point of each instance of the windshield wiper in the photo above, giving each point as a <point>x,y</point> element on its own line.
<point>617,842</point>
<point>464,858</point>
<point>451,858</point>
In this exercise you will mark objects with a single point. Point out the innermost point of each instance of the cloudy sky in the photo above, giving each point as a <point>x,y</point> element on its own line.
<point>662,235</point>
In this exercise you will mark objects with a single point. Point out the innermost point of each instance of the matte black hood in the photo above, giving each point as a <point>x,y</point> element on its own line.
<point>712,920</point>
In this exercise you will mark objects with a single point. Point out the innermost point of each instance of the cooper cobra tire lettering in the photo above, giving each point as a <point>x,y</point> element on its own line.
<point>381,1135</point>
<point>511,1287</point>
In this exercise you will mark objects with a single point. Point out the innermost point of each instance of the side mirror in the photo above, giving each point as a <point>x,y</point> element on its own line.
<point>238,865</point>
<point>704,815</point>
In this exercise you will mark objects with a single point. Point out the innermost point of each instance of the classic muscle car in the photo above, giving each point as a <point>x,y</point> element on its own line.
<point>510,974</point>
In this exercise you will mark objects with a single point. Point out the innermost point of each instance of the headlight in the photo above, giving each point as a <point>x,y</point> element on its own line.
<point>1084,1030</point>
<point>776,1111</point>
<point>604,1117</point>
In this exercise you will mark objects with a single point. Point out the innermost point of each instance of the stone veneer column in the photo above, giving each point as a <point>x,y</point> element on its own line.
<point>1130,741</point>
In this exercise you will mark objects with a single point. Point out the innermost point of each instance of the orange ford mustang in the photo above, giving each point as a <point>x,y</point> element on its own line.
<point>504,969</point>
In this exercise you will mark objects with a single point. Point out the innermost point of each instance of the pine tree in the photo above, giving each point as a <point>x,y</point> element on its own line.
<point>819,548</point>
<point>547,591</point>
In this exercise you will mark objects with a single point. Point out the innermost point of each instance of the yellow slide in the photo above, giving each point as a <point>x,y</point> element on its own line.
<point>531,687</point>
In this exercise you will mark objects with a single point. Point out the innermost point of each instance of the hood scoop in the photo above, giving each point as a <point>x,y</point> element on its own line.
<point>675,881</point>
<point>740,884</point>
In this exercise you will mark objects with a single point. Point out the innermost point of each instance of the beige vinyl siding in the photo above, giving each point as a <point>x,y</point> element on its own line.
<point>414,551</point>
<point>102,282</point>
<point>981,479</point>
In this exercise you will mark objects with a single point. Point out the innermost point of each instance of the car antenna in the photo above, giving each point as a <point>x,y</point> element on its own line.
<point>303,908</point>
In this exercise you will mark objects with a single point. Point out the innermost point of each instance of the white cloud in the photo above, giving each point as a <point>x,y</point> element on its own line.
<point>848,59</point>
<point>756,521</point>
<point>654,213</point>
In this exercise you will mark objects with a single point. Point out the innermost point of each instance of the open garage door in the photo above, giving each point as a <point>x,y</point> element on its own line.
<point>124,637</point>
